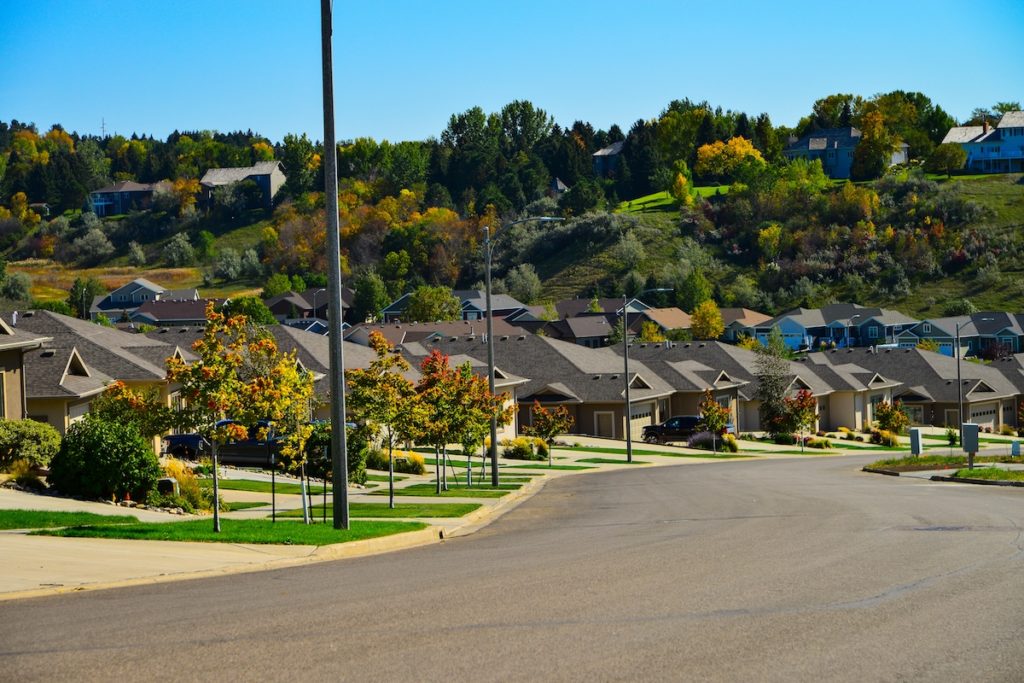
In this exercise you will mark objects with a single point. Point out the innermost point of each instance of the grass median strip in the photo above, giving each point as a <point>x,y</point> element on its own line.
<point>383,477</point>
<point>258,531</point>
<point>46,519</point>
<point>234,507</point>
<point>407,510</point>
<point>256,486</point>
<point>991,473</point>
<point>612,461</point>
<point>935,461</point>
<point>454,491</point>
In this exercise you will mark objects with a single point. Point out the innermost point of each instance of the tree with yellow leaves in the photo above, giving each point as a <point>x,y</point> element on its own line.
<point>706,321</point>
<point>241,374</point>
<point>736,159</point>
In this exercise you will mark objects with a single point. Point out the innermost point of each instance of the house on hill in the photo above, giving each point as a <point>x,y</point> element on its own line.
<point>268,175</point>
<point>124,196</point>
<point>998,149</point>
<point>606,160</point>
<point>834,148</point>
<point>125,300</point>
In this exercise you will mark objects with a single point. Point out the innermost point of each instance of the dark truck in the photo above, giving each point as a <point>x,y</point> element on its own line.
<point>251,452</point>
<point>678,428</point>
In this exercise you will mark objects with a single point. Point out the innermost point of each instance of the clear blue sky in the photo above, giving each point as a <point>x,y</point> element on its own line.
<point>402,67</point>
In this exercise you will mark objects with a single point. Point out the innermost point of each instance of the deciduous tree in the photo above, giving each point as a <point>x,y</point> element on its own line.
<point>706,321</point>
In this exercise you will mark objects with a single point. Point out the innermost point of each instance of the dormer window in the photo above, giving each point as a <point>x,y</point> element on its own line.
<point>926,328</point>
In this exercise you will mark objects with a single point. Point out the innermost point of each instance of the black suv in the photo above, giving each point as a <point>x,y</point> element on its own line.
<point>678,428</point>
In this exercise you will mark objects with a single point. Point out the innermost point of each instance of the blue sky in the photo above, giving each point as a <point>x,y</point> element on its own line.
<point>403,67</point>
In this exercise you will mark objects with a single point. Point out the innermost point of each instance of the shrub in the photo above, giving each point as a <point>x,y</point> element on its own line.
<point>845,430</point>
<point>406,462</point>
<point>99,459</point>
<point>859,438</point>
<point>819,443</point>
<point>785,439</point>
<point>884,437</point>
<point>952,437</point>
<point>520,448</point>
<point>729,443</point>
<point>196,497</point>
<point>23,474</point>
<point>28,440</point>
<point>542,447</point>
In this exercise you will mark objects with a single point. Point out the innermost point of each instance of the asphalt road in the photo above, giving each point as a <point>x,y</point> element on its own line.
<point>735,571</point>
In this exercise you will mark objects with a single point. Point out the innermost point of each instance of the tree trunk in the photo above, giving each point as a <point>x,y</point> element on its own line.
<point>216,491</point>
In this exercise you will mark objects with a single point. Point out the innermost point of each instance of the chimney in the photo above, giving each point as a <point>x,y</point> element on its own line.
<point>984,126</point>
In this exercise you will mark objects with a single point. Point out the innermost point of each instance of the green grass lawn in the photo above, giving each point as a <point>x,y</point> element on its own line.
<point>383,477</point>
<point>259,531</point>
<point>423,510</point>
<point>613,461</point>
<point>454,491</point>
<point>548,467</point>
<point>45,519</point>
<point>936,461</point>
<point>992,473</point>
<point>254,486</point>
<point>234,507</point>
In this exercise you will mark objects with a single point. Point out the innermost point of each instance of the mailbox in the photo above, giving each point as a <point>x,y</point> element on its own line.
<point>915,441</point>
<point>969,440</point>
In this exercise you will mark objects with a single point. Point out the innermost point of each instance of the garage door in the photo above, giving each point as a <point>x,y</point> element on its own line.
<point>985,414</point>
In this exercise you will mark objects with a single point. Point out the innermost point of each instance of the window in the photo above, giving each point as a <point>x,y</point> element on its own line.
<point>926,328</point>
<point>873,332</point>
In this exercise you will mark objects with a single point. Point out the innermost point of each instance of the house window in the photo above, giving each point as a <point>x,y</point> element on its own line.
<point>926,328</point>
<point>873,332</point>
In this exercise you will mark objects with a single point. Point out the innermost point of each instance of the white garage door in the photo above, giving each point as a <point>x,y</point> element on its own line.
<point>985,414</point>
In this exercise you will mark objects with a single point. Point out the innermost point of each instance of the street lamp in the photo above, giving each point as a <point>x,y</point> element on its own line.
<point>959,384</point>
<point>849,331</point>
<point>488,249</point>
<point>625,367</point>
<point>319,291</point>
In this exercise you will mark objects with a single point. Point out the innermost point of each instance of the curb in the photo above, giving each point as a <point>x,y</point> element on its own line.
<point>982,482</point>
<point>875,470</point>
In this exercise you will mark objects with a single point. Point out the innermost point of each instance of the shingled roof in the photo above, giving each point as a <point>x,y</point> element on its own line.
<point>225,176</point>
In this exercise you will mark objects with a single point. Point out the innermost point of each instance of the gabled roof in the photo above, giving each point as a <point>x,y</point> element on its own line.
<point>11,337</point>
<point>743,316</point>
<point>1012,119</point>
<point>842,314</point>
<point>574,371</point>
<point>60,372</point>
<point>129,186</point>
<point>670,318</point>
<point>401,333</point>
<point>829,138</point>
<point>610,150</point>
<point>847,376</point>
<point>109,353</point>
<point>965,134</point>
<point>187,312</point>
<point>930,373</point>
<point>226,176</point>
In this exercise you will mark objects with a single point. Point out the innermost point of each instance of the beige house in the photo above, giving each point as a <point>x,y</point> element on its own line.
<point>15,344</point>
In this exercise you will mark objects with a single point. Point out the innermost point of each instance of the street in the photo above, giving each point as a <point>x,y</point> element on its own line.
<point>800,569</point>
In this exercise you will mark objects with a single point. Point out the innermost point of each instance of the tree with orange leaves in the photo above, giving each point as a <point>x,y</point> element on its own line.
<point>241,374</point>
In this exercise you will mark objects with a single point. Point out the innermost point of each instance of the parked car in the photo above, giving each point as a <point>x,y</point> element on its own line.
<point>248,452</point>
<point>677,428</point>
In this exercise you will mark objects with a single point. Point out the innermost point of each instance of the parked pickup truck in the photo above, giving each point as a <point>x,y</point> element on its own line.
<point>250,452</point>
<point>678,428</point>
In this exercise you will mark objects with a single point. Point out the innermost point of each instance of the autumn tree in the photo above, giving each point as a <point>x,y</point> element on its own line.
<point>651,333</point>
<point>706,321</point>
<point>458,407</point>
<point>736,159</point>
<point>385,400</point>
<point>142,408</point>
<point>549,423</point>
<point>771,368</point>
<point>239,373</point>
<point>714,417</point>
<point>800,412</point>
<point>891,417</point>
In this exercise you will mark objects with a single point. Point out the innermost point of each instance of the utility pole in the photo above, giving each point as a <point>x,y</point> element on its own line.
<point>339,458</point>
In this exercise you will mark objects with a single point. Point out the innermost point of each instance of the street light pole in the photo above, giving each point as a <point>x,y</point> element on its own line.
<point>319,291</point>
<point>488,248</point>
<point>625,368</point>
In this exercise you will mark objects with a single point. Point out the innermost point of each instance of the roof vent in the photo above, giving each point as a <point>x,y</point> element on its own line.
<point>521,337</point>
<point>48,353</point>
<point>686,346</point>
<point>701,345</point>
<point>504,337</point>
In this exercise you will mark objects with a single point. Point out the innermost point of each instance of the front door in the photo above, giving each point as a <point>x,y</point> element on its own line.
<point>604,424</point>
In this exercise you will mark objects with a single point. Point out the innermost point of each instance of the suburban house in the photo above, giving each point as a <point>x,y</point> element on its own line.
<point>992,334</point>
<point>724,367</point>
<point>606,160</point>
<point>856,391</point>
<point>81,358</point>
<point>998,149</point>
<point>740,321</point>
<point>839,325</point>
<point>586,330</point>
<point>171,313</point>
<point>834,148</point>
<point>589,382</point>
<point>124,196</point>
<point>15,346</point>
<point>473,303</point>
<point>311,303</point>
<point>123,301</point>
<point>667,319</point>
<point>929,388</point>
<point>268,175</point>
